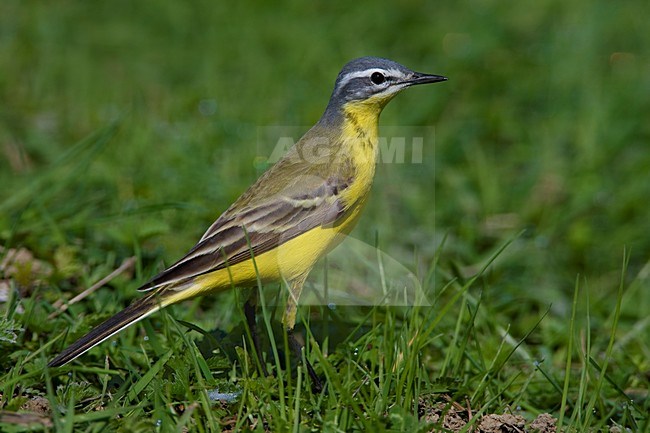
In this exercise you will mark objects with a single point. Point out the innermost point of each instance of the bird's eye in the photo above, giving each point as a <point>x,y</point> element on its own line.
<point>377,78</point>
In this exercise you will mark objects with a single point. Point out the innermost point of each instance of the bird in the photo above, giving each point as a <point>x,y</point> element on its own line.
<point>295,213</point>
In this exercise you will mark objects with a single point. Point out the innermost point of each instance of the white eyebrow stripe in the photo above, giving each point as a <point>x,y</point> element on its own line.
<point>366,73</point>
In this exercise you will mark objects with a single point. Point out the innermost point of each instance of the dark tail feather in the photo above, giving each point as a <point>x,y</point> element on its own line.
<point>131,314</point>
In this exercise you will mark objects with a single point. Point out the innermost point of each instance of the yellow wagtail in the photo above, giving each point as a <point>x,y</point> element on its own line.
<point>295,213</point>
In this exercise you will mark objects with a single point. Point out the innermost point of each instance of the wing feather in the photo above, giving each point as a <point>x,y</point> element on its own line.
<point>258,228</point>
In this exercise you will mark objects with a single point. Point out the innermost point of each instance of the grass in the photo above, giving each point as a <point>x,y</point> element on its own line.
<point>126,128</point>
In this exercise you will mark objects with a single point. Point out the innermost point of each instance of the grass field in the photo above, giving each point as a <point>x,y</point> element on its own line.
<point>127,127</point>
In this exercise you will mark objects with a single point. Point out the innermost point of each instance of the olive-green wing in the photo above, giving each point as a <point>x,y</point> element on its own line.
<point>256,228</point>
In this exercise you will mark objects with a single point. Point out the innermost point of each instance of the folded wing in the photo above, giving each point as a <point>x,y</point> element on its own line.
<point>251,230</point>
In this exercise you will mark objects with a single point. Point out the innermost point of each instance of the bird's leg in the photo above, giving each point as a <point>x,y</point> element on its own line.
<point>296,348</point>
<point>250,310</point>
<point>289,322</point>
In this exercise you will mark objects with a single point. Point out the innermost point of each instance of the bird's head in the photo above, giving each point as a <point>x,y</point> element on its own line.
<point>371,82</point>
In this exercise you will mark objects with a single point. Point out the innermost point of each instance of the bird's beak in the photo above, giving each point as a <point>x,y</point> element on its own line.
<point>419,78</point>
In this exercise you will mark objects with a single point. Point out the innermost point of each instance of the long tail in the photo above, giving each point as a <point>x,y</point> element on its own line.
<point>125,318</point>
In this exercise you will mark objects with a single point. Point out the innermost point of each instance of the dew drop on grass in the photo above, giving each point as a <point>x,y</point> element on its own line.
<point>331,306</point>
<point>158,422</point>
<point>146,338</point>
<point>228,397</point>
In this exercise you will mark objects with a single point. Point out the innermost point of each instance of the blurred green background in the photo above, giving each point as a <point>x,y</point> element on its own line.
<point>543,125</point>
<point>542,134</point>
